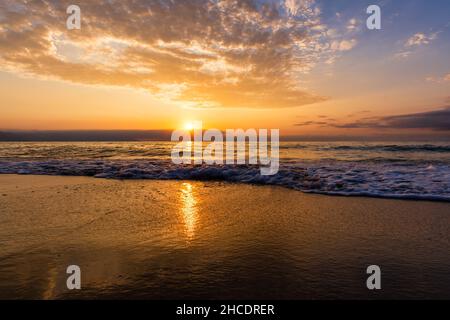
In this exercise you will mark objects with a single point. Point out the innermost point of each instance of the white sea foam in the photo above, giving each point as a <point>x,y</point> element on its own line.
<point>394,170</point>
<point>375,179</point>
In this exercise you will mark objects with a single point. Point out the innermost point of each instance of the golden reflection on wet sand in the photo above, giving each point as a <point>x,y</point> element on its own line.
<point>178,239</point>
<point>189,209</point>
<point>49,292</point>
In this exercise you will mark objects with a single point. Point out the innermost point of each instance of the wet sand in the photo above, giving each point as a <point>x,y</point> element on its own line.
<point>185,239</point>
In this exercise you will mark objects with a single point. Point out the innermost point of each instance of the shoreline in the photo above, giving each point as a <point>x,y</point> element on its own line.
<point>433,199</point>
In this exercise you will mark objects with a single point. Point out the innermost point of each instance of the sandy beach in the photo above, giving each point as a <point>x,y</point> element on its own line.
<point>150,239</point>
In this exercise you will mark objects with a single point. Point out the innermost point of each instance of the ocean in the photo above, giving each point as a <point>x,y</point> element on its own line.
<point>404,170</point>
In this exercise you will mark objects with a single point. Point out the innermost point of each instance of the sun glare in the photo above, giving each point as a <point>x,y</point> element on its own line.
<point>191,125</point>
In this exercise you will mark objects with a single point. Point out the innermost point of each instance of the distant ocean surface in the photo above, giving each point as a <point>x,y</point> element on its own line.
<point>377,169</point>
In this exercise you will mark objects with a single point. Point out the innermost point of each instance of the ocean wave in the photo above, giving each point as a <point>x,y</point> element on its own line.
<point>372,147</point>
<point>390,180</point>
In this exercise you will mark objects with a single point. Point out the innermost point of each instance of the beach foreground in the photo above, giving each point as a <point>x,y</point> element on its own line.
<point>187,239</point>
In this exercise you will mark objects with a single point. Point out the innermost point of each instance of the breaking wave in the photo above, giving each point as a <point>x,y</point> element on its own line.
<point>374,147</point>
<point>402,180</point>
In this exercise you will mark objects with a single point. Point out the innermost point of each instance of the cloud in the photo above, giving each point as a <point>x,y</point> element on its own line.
<point>86,135</point>
<point>438,79</point>
<point>295,6</point>
<point>358,113</point>
<point>415,41</point>
<point>311,123</point>
<point>344,45</point>
<point>402,55</point>
<point>420,39</point>
<point>198,53</point>
<point>438,120</point>
<point>352,24</point>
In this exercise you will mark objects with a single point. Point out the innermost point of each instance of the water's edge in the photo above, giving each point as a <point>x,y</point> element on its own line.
<point>306,180</point>
<point>403,170</point>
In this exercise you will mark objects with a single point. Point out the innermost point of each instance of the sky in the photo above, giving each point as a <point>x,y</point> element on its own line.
<point>306,67</point>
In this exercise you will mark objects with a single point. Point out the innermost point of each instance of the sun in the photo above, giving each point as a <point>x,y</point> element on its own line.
<point>188,126</point>
<point>191,125</point>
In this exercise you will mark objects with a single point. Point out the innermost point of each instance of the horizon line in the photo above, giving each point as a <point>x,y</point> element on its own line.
<point>136,135</point>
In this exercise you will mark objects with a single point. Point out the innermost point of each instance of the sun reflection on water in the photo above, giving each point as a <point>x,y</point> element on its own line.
<point>189,209</point>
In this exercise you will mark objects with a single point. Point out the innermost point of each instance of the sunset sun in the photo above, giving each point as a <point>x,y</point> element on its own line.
<point>191,125</point>
<point>188,126</point>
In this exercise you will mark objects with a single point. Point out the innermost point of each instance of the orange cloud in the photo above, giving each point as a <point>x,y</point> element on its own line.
<point>228,53</point>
